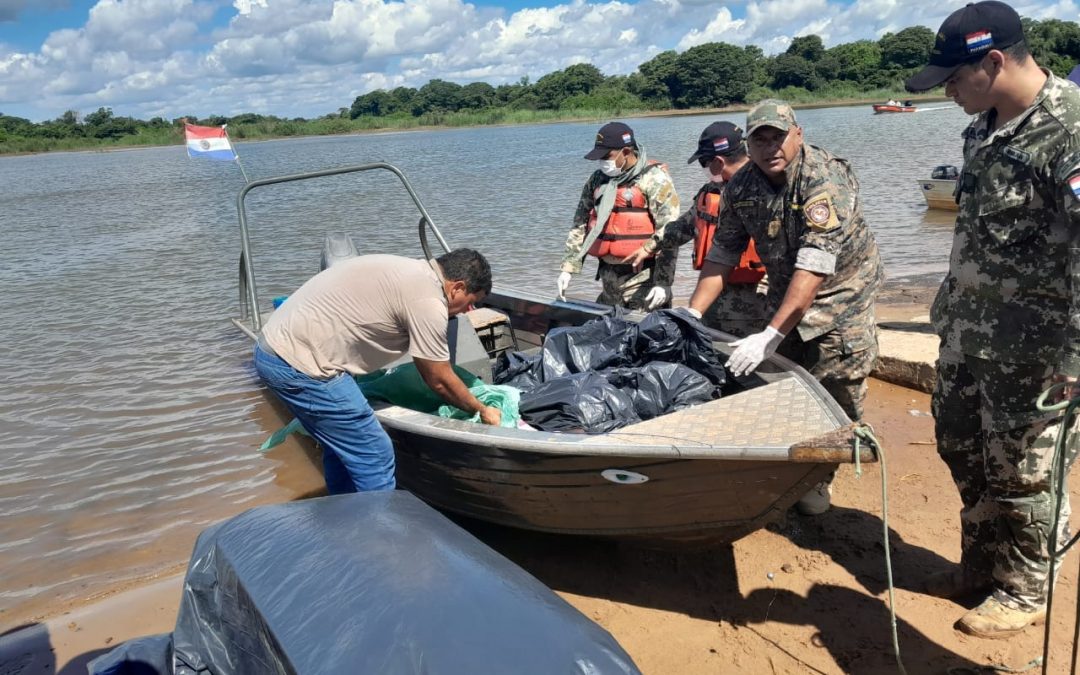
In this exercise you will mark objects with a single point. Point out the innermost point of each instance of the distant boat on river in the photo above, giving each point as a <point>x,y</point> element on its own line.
<point>939,189</point>
<point>894,107</point>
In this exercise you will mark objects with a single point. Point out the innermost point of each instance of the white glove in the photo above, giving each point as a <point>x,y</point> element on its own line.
<point>656,297</point>
<point>751,351</point>
<point>694,313</point>
<point>562,283</point>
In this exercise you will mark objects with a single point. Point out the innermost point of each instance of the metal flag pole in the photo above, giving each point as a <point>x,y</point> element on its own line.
<point>236,154</point>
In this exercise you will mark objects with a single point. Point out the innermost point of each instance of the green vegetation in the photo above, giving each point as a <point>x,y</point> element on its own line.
<point>712,75</point>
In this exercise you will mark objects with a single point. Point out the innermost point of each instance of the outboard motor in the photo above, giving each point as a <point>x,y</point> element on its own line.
<point>337,246</point>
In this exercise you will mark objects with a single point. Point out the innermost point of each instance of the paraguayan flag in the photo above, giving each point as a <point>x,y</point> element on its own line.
<point>209,142</point>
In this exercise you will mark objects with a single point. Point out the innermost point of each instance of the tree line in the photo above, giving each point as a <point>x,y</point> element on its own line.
<point>710,75</point>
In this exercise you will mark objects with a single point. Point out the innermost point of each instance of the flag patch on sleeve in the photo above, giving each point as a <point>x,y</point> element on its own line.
<point>1074,185</point>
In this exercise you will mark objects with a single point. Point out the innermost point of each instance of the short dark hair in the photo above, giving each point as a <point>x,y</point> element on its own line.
<point>1018,52</point>
<point>465,264</point>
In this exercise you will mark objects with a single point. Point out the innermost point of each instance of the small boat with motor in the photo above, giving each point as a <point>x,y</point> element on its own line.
<point>894,107</point>
<point>940,188</point>
<point>705,474</point>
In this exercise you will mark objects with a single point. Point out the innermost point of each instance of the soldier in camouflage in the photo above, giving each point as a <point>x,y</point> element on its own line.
<point>800,204</point>
<point>740,309</point>
<point>1007,313</point>
<point>625,170</point>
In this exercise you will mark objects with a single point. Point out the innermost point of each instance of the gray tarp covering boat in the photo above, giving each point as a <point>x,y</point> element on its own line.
<point>374,583</point>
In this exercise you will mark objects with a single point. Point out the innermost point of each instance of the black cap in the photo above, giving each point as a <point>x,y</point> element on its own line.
<point>612,136</point>
<point>719,138</point>
<point>965,37</point>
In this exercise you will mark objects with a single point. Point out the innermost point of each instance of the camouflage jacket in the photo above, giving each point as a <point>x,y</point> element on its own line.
<point>663,204</point>
<point>814,222</point>
<point>1011,293</point>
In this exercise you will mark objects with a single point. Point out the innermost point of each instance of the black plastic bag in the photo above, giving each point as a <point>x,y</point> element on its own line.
<point>582,402</point>
<point>597,345</point>
<point>517,369</point>
<point>675,336</point>
<point>659,388</point>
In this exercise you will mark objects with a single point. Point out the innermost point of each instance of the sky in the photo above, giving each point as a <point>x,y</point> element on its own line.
<point>307,58</point>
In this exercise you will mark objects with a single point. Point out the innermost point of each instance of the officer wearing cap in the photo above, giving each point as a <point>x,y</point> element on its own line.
<point>1007,312</point>
<point>740,309</point>
<point>800,205</point>
<point>624,202</point>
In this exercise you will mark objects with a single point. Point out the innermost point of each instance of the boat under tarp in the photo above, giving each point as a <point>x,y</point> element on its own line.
<point>706,474</point>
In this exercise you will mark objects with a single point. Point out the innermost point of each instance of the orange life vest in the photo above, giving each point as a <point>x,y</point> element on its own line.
<point>750,269</point>
<point>630,224</point>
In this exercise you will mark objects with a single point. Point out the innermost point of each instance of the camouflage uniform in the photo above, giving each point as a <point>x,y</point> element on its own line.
<point>740,309</point>
<point>621,285</point>
<point>1008,315</point>
<point>814,223</point>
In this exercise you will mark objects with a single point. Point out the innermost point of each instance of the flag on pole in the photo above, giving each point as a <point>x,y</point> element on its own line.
<point>208,142</point>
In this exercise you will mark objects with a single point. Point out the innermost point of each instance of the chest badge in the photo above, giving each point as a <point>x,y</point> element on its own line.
<point>774,229</point>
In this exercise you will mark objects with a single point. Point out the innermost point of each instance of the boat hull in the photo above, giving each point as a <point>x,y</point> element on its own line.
<point>683,502</point>
<point>878,109</point>
<point>938,193</point>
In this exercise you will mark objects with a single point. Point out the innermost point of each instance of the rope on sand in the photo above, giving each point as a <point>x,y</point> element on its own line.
<point>864,432</point>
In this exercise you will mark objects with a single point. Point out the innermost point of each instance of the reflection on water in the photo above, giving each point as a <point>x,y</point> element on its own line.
<point>131,415</point>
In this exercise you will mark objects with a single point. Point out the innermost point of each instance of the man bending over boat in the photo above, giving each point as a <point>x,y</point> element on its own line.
<point>800,205</point>
<point>740,309</point>
<point>624,202</point>
<point>352,319</point>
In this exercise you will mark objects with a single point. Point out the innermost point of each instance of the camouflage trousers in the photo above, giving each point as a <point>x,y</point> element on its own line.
<point>840,360</point>
<point>999,449</point>
<point>740,310</point>
<point>622,286</point>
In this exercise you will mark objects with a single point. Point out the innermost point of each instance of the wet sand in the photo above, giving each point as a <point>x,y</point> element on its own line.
<point>824,610</point>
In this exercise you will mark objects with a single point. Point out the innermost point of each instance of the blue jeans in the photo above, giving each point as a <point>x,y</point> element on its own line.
<point>357,454</point>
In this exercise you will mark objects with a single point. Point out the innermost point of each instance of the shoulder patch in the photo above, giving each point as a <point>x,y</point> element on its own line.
<point>1068,165</point>
<point>820,212</point>
<point>1074,185</point>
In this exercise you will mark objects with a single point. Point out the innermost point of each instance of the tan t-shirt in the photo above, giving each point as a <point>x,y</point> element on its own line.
<point>360,315</point>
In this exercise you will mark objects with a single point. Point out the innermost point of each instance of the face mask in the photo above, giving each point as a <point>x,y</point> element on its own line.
<point>609,168</point>
<point>710,176</point>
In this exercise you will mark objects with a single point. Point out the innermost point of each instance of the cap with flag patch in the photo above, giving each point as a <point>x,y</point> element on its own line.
<point>965,37</point>
<point>719,138</point>
<point>612,136</point>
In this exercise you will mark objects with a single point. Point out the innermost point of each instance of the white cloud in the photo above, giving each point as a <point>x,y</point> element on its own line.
<point>310,57</point>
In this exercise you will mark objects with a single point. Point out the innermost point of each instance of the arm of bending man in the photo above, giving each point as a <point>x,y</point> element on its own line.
<point>440,377</point>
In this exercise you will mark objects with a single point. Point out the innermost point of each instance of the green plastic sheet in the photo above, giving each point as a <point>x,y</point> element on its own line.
<point>403,386</point>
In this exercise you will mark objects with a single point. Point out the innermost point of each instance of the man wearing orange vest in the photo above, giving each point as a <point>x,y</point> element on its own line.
<point>740,309</point>
<point>624,202</point>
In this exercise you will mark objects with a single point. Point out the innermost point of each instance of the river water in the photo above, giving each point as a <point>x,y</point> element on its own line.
<point>130,415</point>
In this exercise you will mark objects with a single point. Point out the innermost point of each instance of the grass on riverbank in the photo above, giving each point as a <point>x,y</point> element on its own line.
<point>837,95</point>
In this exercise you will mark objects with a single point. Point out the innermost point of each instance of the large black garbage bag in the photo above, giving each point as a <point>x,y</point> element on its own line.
<point>659,388</point>
<point>675,336</point>
<point>582,402</point>
<point>516,369</point>
<point>599,344</point>
<point>375,582</point>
